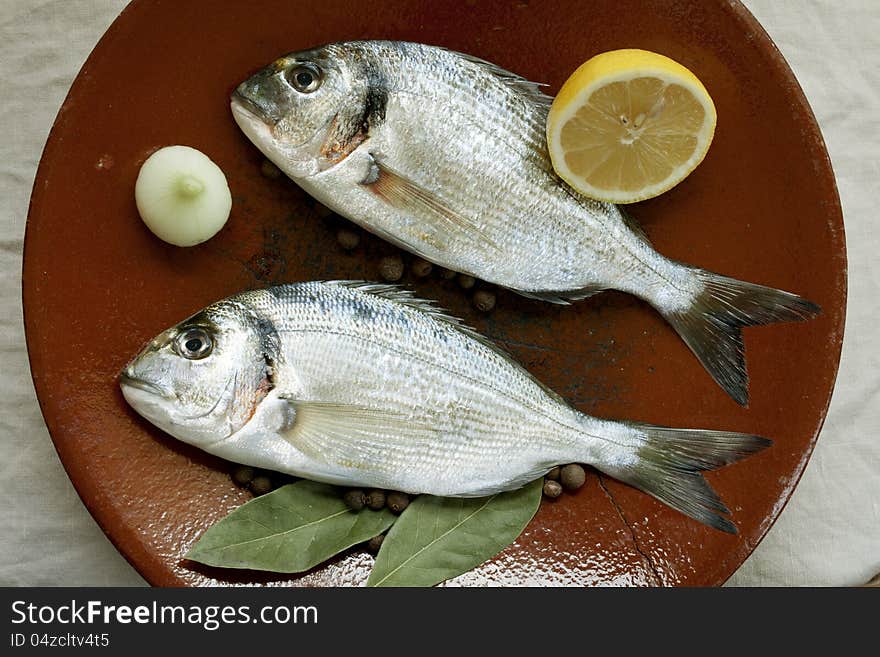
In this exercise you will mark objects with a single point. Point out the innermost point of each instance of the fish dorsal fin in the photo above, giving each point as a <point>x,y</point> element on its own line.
<point>406,297</point>
<point>530,140</point>
<point>411,198</point>
<point>353,436</point>
<point>529,91</point>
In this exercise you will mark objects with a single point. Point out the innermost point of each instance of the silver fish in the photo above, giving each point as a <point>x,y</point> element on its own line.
<point>363,384</point>
<point>445,155</point>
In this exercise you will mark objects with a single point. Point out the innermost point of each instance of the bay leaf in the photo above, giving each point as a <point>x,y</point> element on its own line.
<point>289,530</point>
<point>437,538</point>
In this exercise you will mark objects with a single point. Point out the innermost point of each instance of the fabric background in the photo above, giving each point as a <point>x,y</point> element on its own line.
<point>829,534</point>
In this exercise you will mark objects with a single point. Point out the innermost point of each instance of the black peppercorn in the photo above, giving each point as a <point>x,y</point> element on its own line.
<point>261,484</point>
<point>552,489</point>
<point>397,502</point>
<point>391,268</point>
<point>348,239</point>
<point>421,268</point>
<point>242,475</point>
<point>572,476</point>
<point>376,499</point>
<point>466,282</point>
<point>484,300</point>
<point>269,170</point>
<point>355,499</point>
<point>375,543</point>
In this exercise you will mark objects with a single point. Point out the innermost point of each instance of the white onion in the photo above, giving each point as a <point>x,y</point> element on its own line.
<point>182,196</point>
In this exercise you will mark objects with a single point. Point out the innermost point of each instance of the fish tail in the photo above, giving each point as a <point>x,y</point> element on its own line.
<point>668,463</point>
<point>711,325</point>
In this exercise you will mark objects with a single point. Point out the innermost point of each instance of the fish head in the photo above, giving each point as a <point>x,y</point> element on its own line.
<point>307,110</point>
<point>202,380</point>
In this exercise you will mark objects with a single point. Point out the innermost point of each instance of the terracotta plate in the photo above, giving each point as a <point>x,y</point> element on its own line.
<point>762,207</point>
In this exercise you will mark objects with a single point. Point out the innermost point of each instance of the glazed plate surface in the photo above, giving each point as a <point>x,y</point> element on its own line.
<point>96,284</point>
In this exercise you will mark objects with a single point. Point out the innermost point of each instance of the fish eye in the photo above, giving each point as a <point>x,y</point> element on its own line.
<point>194,343</point>
<point>305,78</point>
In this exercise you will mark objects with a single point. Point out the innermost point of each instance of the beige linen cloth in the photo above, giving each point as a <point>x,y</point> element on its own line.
<point>829,534</point>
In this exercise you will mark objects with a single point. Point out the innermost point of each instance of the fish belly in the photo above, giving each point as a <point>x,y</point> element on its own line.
<point>372,392</point>
<point>442,428</point>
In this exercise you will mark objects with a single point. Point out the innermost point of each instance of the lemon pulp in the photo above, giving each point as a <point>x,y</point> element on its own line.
<point>629,125</point>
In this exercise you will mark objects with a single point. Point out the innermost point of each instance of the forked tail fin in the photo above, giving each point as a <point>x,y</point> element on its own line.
<point>711,326</point>
<point>667,464</point>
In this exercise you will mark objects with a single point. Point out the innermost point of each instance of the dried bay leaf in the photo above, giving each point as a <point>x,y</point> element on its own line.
<point>437,538</point>
<point>289,530</point>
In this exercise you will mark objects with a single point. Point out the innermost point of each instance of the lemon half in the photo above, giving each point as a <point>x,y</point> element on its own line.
<point>629,125</point>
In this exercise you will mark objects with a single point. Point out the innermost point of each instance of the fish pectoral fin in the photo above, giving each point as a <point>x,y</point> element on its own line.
<point>407,196</point>
<point>353,436</point>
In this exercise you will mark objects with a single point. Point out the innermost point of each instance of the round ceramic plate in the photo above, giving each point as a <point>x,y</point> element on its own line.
<point>762,207</point>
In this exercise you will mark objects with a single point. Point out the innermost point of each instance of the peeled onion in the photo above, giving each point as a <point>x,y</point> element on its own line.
<point>182,196</point>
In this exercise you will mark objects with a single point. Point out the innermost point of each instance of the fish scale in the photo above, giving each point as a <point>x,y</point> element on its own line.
<point>494,404</point>
<point>408,337</point>
<point>362,384</point>
<point>505,145</point>
<point>445,156</point>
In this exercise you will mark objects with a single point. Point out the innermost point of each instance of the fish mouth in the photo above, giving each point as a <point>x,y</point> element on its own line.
<point>127,379</point>
<point>251,120</point>
<point>244,106</point>
<point>262,133</point>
